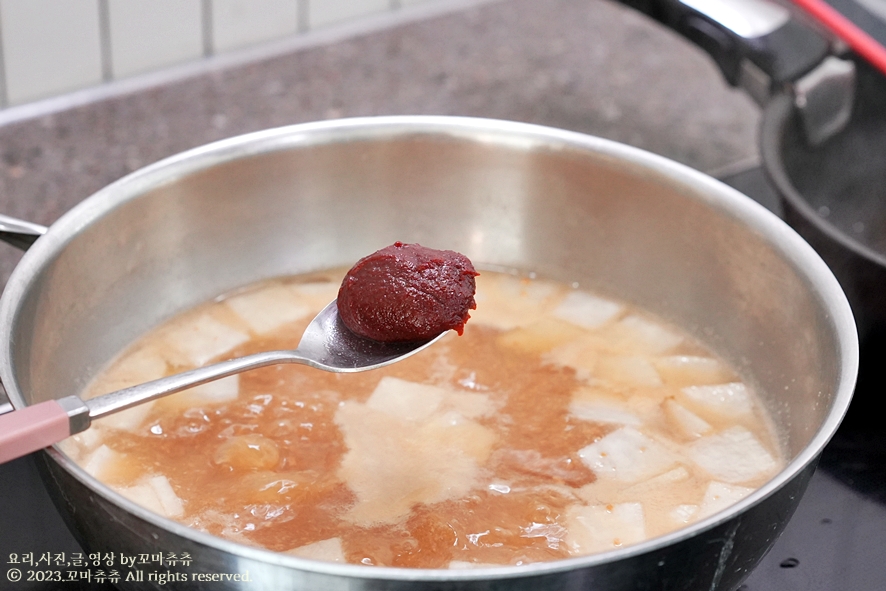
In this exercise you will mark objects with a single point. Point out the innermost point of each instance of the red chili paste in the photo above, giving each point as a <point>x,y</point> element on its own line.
<point>406,292</point>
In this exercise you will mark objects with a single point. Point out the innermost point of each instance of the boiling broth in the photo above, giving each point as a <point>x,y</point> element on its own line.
<point>560,424</point>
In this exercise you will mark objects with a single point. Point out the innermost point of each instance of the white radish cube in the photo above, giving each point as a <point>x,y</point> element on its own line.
<point>327,550</point>
<point>683,514</point>
<point>144,495</point>
<point>652,337</point>
<point>684,421</point>
<point>692,370</point>
<point>603,411</point>
<point>267,309</point>
<point>217,392</point>
<point>506,302</point>
<point>223,390</point>
<point>470,404</point>
<point>658,483</point>
<point>315,294</point>
<point>733,456</point>
<point>73,449</point>
<point>580,354</point>
<point>203,339</point>
<point>586,310</point>
<point>169,501</point>
<point>540,336</point>
<point>731,401</point>
<point>103,462</point>
<point>154,493</point>
<point>127,420</point>
<point>604,527</point>
<point>406,400</point>
<point>719,496</point>
<point>450,418</point>
<point>140,366</point>
<point>630,370</point>
<point>89,439</point>
<point>646,402</point>
<point>626,455</point>
<point>394,463</point>
<point>143,365</point>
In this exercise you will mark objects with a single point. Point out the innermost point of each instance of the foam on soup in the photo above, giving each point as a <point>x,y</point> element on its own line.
<point>561,423</point>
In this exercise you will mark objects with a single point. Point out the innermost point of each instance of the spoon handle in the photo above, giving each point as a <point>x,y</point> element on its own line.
<point>134,395</point>
<point>40,425</point>
<point>32,428</point>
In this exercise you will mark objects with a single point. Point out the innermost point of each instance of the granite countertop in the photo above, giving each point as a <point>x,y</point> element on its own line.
<point>586,65</point>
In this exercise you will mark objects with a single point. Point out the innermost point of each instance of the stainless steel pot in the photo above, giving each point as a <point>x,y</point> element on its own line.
<point>509,195</point>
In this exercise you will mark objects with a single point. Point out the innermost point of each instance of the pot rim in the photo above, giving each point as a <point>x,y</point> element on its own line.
<point>726,200</point>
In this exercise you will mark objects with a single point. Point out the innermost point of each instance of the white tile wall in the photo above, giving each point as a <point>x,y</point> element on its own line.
<point>238,23</point>
<point>49,47</point>
<point>326,12</point>
<point>149,34</point>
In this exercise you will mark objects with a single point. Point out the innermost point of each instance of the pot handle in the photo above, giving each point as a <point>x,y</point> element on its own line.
<point>22,235</point>
<point>40,425</point>
<point>19,233</point>
<point>755,43</point>
<point>762,49</point>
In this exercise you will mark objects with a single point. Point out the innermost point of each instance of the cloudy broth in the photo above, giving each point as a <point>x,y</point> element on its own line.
<point>560,424</point>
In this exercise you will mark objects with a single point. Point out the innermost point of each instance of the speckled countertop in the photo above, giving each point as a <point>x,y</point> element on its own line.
<point>585,65</point>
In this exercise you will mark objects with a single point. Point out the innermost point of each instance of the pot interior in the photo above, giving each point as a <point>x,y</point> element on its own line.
<point>511,196</point>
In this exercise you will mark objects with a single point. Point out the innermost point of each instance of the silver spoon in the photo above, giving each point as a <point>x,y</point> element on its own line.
<point>326,344</point>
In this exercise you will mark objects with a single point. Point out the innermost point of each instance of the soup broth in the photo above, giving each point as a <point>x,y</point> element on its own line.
<point>560,424</point>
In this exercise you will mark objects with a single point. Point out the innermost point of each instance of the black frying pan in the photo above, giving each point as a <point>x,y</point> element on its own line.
<point>834,195</point>
<point>828,164</point>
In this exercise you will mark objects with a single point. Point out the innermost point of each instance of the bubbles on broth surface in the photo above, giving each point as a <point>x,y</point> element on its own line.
<point>561,423</point>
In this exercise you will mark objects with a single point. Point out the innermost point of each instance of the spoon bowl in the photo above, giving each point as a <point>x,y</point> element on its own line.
<point>327,344</point>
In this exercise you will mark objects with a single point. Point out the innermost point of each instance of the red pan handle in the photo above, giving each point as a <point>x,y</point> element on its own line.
<point>862,43</point>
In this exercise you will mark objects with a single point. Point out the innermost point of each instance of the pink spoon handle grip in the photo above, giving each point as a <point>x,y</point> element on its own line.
<point>32,428</point>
